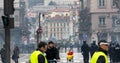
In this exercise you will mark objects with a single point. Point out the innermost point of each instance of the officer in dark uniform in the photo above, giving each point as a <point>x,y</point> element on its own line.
<point>100,56</point>
<point>85,52</point>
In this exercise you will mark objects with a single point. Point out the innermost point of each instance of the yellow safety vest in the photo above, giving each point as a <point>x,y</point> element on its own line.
<point>96,55</point>
<point>34,57</point>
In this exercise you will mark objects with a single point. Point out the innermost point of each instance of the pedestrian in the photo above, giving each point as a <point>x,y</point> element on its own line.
<point>16,53</point>
<point>3,55</point>
<point>52,53</point>
<point>38,56</point>
<point>111,52</point>
<point>100,56</point>
<point>117,52</point>
<point>93,48</point>
<point>85,52</point>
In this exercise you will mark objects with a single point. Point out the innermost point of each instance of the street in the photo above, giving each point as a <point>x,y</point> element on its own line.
<point>78,25</point>
<point>24,58</point>
<point>78,58</point>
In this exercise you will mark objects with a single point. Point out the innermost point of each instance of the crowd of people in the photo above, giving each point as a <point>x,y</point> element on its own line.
<point>114,52</point>
<point>45,53</point>
<point>49,53</point>
<point>111,50</point>
<point>15,54</point>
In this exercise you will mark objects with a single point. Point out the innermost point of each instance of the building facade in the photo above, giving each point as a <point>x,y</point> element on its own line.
<point>58,24</point>
<point>104,18</point>
<point>53,11</point>
<point>61,2</point>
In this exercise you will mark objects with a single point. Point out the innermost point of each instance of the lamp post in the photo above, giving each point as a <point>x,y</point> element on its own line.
<point>8,23</point>
<point>39,30</point>
<point>79,19</point>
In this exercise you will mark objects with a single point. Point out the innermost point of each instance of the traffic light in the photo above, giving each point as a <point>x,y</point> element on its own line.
<point>8,7</point>
<point>5,20</point>
<point>8,22</point>
<point>11,22</point>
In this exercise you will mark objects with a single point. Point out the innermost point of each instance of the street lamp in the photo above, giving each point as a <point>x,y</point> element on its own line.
<point>39,30</point>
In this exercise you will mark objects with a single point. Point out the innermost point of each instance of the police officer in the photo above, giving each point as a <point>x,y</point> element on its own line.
<point>93,48</point>
<point>85,49</point>
<point>100,56</point>
<point>38,55</point>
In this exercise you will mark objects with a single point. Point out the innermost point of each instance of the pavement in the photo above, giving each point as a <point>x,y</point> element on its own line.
<point>24,58</point>
<point>78,58</point>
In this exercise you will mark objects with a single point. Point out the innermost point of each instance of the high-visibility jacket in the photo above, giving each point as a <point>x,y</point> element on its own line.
<point>96,55</point>
<point>34,57</point>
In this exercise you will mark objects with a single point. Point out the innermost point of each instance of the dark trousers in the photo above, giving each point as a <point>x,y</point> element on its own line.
<point>3,60</point>
<point>16,60</point>
<point>86,59</point>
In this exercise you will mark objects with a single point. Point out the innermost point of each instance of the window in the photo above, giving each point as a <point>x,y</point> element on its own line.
<point>113,4</point>
<point>64,24</point>
<point>61,29</point>
<point>54,25</point>
<point>54,34</point>
<point>57,24</point>
<point>115,21</point>
<point>61,24</point>
<point>114,18</point>
<point>54,29</point>
<point>51,24</point>
<point>51,29</point>
<point>101,3</point>
<point>101,20</point>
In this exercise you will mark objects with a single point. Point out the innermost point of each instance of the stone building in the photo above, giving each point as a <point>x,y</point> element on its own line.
<point>104,19</point>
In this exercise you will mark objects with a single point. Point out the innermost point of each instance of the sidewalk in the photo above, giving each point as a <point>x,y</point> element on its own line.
<point>24,58</point>
<point>78,58</point>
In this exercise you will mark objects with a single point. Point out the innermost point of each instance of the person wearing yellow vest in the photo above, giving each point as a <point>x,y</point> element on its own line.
<point>38,55</point>
<point>100,56</point>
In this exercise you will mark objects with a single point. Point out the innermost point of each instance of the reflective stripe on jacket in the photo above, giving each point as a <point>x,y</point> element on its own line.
<point>34,57</point>
<point>96,55</point>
